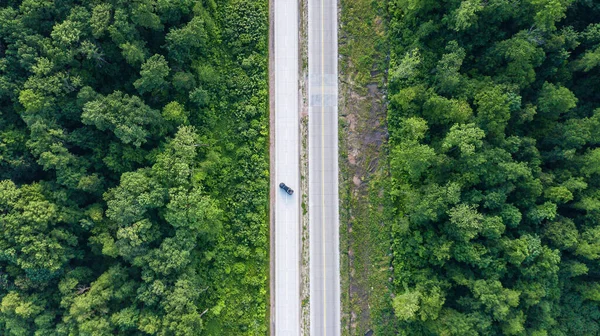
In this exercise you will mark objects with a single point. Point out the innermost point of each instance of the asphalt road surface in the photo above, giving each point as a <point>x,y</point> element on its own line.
<point>285,316</point>
<point>323,168</point>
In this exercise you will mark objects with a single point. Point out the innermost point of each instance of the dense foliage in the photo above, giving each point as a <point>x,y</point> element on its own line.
<point>133,167</point>
<point>494,123</point>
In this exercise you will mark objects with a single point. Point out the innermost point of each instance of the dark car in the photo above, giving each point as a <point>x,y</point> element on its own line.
<point>286,188</point>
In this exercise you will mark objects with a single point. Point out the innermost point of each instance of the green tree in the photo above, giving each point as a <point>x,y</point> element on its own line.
<point>448,67</point>
<point>32,235</point>
<point>467,138</point>
<point>183,43</point>
<point>555,101</point>
<point>440,110</point>
<point>493,110</point>
<point>465,16</point>
<point>154,71</point>
<point>126,116</point>
<point>175,113</point>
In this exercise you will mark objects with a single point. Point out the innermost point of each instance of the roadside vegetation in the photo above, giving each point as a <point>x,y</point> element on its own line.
<point>364,234</point>
<point>494,124</point>
<point>133,167</point>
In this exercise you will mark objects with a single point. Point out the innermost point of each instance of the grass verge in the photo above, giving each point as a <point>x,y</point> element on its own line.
<point>364,228</point>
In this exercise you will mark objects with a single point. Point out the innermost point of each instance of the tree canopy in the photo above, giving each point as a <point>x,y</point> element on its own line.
<point>133,167</point>
<point>494,182</point>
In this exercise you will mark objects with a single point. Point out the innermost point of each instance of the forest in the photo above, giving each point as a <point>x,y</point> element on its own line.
<point>133,167</point>
<point>494,162</point>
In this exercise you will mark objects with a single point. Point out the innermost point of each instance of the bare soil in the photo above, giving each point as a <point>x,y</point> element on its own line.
<point>362,134</point>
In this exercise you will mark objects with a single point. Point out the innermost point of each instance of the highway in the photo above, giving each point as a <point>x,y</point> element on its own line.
<point>323,168</point>
<point>285,167</point>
